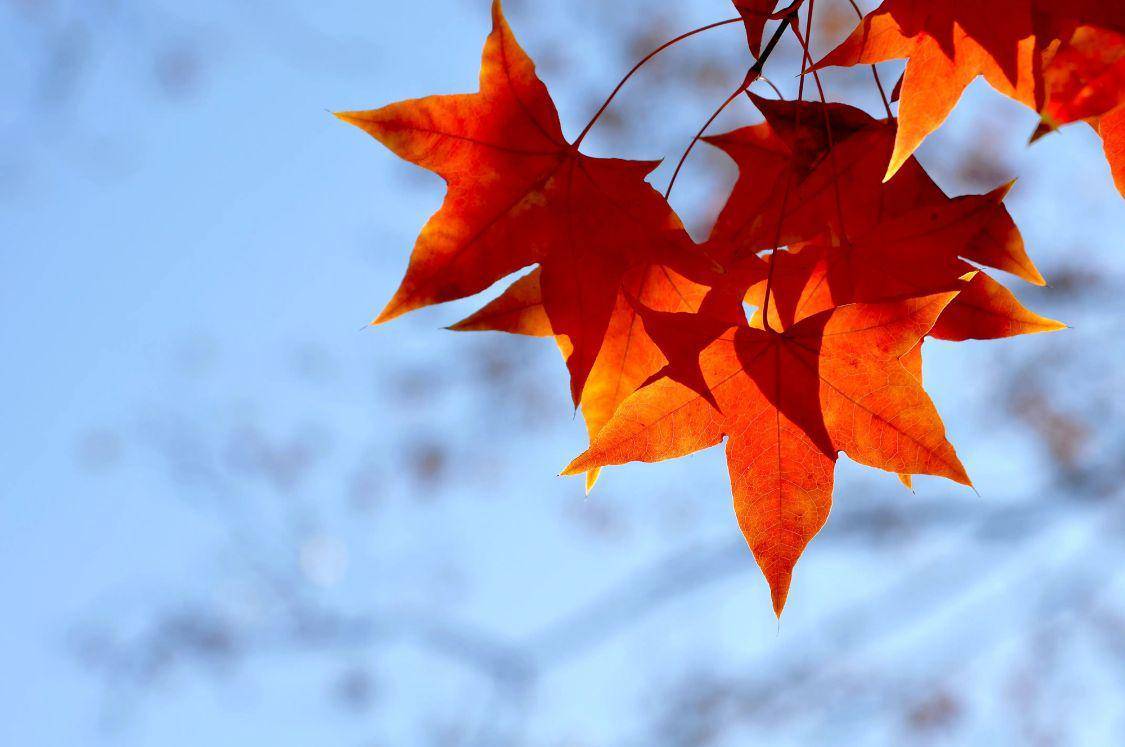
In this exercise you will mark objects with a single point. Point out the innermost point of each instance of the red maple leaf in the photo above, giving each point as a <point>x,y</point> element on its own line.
<point>816,171</point>
<point>811,178</point>
<point>788,403</point>
<point>917,253</point>
<point>851,264</point>
<point>520,194</point>
<point>813,170</point>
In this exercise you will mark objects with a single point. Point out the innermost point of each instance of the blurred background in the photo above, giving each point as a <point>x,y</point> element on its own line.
<point>233,515</point>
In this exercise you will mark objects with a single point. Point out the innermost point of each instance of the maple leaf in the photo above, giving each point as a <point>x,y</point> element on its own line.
<point>915,254</point>
<point>986,310</point>
<point>811,178</point>
<point>1054,20</point>
<point>788,404</point>
<point>755,14</point>
<point>814,278</point>
<point>813,171</point>
<point>774,158</point>
<point>519,194</point>
<point>948,43</point>
<point>518,310</point>
<point>1085,80</point>
<point>865,261</point>
<point>816,171</point>
<point>628,355</point>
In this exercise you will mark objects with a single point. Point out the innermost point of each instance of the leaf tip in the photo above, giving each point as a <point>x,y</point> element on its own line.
<point>903,152</point>
<point>1044,128</point>
<point>779,593</point>
<point>352,118</point>
<point>1001,193</point>
<point>573,468</point>
<point>757,100</point>
<point>400,304</point>
<point>497,13</point>
<point>1054,325</point>
<point>592,479</point>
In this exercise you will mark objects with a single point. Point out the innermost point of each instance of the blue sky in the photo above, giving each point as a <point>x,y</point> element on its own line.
<point>183,259</point>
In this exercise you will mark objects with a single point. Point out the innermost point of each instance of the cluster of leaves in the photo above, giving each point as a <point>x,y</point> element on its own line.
<point>846,250</point>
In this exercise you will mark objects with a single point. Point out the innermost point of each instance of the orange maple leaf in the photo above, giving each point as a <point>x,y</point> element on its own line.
<point>861,239</point>
<point>865,261</point>
<point>815,172</point>
<point>947,43</point>
<point>765,209</point>
<point>519,194</point>
<point>914,254</point>
<point>788,403</point>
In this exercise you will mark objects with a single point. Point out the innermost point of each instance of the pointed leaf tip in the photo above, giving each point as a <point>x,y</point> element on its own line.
<point>999,194</point>
<point>573,469</point>
<point>354,118</point>
<point>1044,128</point>
<point>592,479</point>
<point>386,315</point>
<point>892,169</point>
<point>779,592</point>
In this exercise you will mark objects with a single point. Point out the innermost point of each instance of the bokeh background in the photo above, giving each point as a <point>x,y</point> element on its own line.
<point>230,514</point>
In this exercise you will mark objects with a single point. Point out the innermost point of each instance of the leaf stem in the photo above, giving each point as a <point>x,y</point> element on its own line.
<point>699,136</point>
<point>874,70</point>
<point>642,63</point>
<point>751,76</point>
<point>773,256</point>
<point>805,61</point>
<point>828,133</point>
<point>882,92</point>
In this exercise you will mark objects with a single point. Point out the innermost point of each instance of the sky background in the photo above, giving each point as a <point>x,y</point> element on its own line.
<point>233,515</point>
